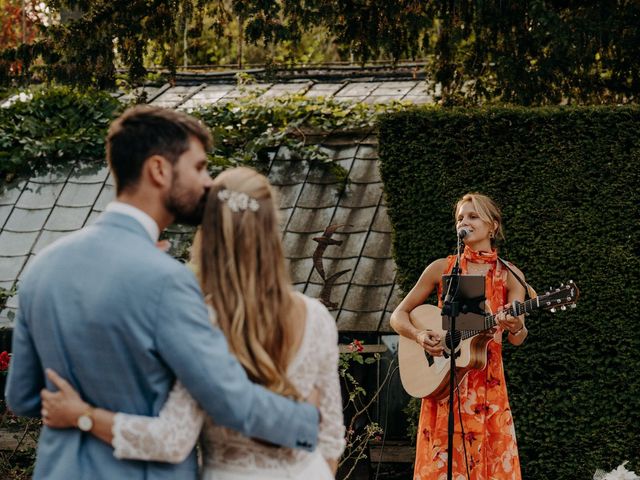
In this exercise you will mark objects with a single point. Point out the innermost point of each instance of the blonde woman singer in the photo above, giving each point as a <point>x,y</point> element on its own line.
<point>489,434</point>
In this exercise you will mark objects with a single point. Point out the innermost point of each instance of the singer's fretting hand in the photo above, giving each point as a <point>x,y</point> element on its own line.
<point>507,321</point>
<point>431,342</point>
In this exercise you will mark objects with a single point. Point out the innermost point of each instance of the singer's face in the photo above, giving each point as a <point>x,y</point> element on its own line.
<point>468,218</point>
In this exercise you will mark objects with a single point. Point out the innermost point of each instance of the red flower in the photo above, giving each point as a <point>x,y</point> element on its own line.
<point>5,358</point>
<point>356,346</point>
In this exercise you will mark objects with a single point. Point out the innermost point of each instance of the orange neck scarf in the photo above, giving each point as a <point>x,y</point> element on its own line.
<point>479,257</point>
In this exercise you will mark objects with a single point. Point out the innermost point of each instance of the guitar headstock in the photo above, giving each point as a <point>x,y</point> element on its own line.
<point>566,295</point>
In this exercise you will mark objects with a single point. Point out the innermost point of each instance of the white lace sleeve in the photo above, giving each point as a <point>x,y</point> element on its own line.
<point>331,440</point>
<point>169,437</point>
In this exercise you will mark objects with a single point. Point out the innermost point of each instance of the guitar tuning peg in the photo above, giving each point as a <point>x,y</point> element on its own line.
<point>526,314</point>
<point>571,282</point>
<point>562,284</point>
<point>574,305</point>
<point>553,310</point>
<point>563,307</point>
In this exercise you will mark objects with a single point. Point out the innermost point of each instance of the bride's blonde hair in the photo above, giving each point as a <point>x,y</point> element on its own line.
<point>244,276</point>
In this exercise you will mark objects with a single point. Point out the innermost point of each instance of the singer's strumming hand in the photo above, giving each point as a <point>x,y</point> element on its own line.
<point>431,342</point>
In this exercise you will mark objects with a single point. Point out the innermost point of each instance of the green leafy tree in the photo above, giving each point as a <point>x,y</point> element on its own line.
<point>532,52</point>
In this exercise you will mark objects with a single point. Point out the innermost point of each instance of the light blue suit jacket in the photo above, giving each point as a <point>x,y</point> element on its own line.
<point>121,320</point>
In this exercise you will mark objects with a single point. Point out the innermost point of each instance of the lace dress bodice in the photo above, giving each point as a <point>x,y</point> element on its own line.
<point>171,436</point>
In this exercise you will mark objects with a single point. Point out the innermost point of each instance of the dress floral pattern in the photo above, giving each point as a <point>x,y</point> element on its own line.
<point>172,435</point>
<point>491,449</point>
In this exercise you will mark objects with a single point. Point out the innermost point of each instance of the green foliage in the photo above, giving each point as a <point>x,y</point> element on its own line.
<point>245,131</point>
<point>57,126</point>
<point>16,459</point>
<point>18,462</point>
<point>539,52</point>
<point>529,53</point>
<point>567,180</point>
<point>53,128</point>
<point>361,429</point>
<point>6,294</point>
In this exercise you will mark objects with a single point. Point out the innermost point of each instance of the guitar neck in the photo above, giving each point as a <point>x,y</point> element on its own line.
<point>515,310</point>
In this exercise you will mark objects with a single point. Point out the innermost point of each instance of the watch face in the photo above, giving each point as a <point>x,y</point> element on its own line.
<point>85,423</point>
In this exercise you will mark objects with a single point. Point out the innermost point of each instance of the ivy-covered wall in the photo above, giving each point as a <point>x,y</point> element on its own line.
<point>568,183</point>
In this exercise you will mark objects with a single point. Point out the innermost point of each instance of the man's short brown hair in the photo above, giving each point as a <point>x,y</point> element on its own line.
<point>144,131</point>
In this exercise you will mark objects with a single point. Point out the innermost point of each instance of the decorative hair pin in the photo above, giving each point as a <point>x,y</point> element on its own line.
<point>238,201</point>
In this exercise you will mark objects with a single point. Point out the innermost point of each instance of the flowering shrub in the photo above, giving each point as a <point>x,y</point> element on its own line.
<point>361,428</point>
<point>18,461</point>
<point>5,358</point>
<point>620,473</point>
<point>18,97</point>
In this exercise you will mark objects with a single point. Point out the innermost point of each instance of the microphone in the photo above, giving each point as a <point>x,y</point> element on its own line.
<point>463,232</point>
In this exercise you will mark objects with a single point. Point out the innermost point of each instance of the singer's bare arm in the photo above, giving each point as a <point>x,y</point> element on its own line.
<point>400,320</point>
<point>515,325</point>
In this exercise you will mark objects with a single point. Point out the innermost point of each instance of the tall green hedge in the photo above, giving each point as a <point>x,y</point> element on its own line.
<point>568,183</point>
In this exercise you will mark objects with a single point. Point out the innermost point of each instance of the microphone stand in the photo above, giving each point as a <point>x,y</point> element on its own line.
<point>451,307</point>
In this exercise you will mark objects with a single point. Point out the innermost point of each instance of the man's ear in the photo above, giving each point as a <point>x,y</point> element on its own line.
<point>159,170</point>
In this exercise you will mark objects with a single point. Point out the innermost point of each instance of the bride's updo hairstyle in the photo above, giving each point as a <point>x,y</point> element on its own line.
<point>244,276</point>
<point>487,210</point>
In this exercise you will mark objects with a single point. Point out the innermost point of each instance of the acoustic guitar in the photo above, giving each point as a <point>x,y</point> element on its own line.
<point>423,375</point>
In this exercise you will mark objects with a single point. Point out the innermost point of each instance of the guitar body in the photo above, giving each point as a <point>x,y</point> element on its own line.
<point>425,376</point>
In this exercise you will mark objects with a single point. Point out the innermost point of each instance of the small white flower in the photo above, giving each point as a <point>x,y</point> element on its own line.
<point>253,205</point>
<point>21,97</point>
<point>224,195</point>
<point>238,201</point>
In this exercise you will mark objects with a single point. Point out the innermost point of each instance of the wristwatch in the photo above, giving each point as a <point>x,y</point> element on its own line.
<point>520,330</point>
<point>85,421</point>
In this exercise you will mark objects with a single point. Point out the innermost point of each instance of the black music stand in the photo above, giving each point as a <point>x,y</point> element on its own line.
<point>462,309</point>
<point>467,302</point>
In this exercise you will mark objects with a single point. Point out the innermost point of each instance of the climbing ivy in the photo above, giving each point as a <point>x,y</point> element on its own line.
<point>43,129</point>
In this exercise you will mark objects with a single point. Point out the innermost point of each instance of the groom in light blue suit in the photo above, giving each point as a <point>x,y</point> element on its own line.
<point>121,320</point>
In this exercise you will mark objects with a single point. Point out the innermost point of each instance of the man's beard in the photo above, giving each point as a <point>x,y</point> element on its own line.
<point>184,207</point>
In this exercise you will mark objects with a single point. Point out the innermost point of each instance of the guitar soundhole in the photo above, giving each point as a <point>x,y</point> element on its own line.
<point>456,340</point>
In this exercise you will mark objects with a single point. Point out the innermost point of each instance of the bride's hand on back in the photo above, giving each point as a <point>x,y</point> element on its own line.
<point>314,397</point>
<point>61,409</point>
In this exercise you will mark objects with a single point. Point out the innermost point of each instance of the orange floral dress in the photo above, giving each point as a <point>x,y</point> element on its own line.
<point>492,453</point>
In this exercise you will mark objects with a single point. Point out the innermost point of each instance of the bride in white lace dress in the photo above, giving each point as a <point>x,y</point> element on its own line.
<point>285,341</point>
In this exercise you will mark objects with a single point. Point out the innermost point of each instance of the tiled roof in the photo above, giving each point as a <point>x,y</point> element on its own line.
<point>368,91</point>
<point>359,273</point>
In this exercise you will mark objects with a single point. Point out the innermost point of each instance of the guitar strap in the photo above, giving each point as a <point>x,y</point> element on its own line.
<point>529,291</point>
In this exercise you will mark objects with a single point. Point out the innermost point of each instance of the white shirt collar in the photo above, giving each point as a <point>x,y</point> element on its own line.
<point>145,220</point>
